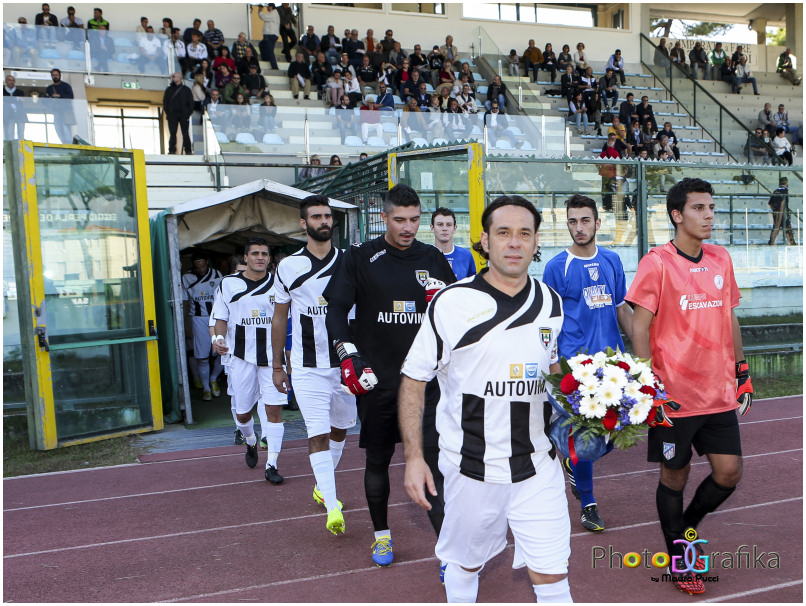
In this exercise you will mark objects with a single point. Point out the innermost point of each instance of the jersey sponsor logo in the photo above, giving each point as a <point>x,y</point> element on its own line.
<point>668,451</point>
<point>545,336</point>
<point>516,387</point>
<point>698,301</point>
<point>515,371</point>
<point>404,306</point>
<point>531,370</point>
<point>422,276</point>
<point>696,270</point>
<point>404,312</point>
<point>719,282</point>
<point>376,255</point>
<point>593,272</point>
<point>322,301</point>
<point>258,313</point>
<point>259,316</point>
<point>596,296</point>
<point>317,311</point>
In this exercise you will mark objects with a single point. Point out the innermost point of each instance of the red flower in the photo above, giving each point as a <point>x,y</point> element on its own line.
<point>610,419</point>
<point>650,391</point>
<point>585,362</point>
<point>651,414</point>
<point>623,366</point>
<point>569,384</point>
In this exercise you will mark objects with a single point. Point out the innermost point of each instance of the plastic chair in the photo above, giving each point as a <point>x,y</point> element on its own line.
<point>123,42</point>
<point>50,53</point>
<point>419,142</point>
<point>75,55</point>
<point>376,142</point>
<point>398,100</point>
<point>439,142</point>
<point>272,139</point>
<point>503,144</point>
<point>353,141</point>
<point>244,138</point>
<point>221,137</point>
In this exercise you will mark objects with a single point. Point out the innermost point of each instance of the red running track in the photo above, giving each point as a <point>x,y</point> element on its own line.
<point>200,526</point>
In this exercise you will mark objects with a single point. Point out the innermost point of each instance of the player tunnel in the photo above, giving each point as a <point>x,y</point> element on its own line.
<point>219,225</point>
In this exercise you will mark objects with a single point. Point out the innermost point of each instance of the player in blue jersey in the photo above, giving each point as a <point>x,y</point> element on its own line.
<point>591,282</point>
<point>443,224</point>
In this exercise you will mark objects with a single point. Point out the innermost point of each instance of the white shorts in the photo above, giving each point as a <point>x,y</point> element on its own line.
<point>322,401</point>
<point>202,345</point>
<point>477,513</point>
<point>250,382</point>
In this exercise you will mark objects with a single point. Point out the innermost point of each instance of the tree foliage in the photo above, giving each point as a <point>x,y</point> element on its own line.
<point>699,29</point>
<point>777,38</point>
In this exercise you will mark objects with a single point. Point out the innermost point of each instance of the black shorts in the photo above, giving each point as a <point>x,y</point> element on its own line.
<point>709,434</point>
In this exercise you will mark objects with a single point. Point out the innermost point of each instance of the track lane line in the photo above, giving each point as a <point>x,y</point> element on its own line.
<point>742,594</point>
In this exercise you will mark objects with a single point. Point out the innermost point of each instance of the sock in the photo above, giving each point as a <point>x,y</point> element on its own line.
<point>217,369</point>
<point>383,533</point>
<point>274,442</point>
<point>264,421</point>
<point>336,450</point>
<point>708,497</point>
<point>232,407</point>
<point>461,586</point>
<point>376,485</point>
<point>193,365</point>
<point>670,514</point>
<point>204,373</point>
<point>583,475</point>
<point>322,465</point>
<point>248,430</point>
<point>556,593</point>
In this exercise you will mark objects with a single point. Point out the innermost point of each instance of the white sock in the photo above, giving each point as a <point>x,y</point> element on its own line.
<point>217,368</point>
<point>554,593</point>
<point>193,365</point>
<point>383,533</point>
<point>322,465</point>
<point>248,430</point>
<point>204,373</point>
<point>274,441</point>
<point>232,407</point>
<point>461,586</point>
<point>336,449</point>
<point>264,420</point>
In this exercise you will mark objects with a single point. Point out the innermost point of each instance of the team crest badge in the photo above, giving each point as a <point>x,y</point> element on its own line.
<point>668,451</point>
<point>594,273</point>
<point>422,277</point>
<point>545,337</point>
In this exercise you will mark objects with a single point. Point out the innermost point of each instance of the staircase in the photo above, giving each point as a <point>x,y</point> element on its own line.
<point>172,180</point>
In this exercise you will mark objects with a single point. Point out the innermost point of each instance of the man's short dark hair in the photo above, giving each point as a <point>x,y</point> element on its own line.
<point>199,255</point>
<point>99,10</point>
<point>234,261</point>
<point>486,220</point>
<point>580,201</point>
<point>315,200</point>
<point>444,212</point>
<point>400,195</point>
<point>254,242</point>
<point>630,95</point>
<point>677,196</point>
<point>56,69</point>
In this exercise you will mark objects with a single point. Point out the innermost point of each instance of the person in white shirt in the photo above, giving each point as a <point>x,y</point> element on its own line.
<point>196,51</point>
<point>271,32</point>
<point>179,49</point>
<point>743,74</point>
<point>150,49</point>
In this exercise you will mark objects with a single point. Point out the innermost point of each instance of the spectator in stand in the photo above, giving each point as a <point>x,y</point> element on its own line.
<point>647,136</point>
<point>102,48</point>
<point>609,89</point>
<point>177,105</point>
<point>14,116</point>
<point>309,44</point>
<point>578,112</point>
<point>345,66</point>
<point>345,118</point>
<point>467,102</point>
<point>613,148</point>
<point>150,50</point>
<point>370,41</point>
<point>224,58</point>
<point>410,88</point>
<point>352,89</point>
<point>413,120</point>
<point>335,161</point>
<point>241,114</point>
<point>331,46</point>
<point>422,97</point>
<point>729,75</point>
<point>596,105</point>
<point>620,131</point>
<point>213,37</point>
<point>355,49</point>
<point>299,73</point>
<point>564,58</point>
<point>434,119</point>
<point>196,51</point>
<point>782,146</point>
<point>213,107</point>
<point>743,74</point>
<point>288,32</point>
<point>580,59</point>
<point>47,20</point>
<point>644,111</point>
<point>73,24</point>
<point>368,76</point>
<point>97,20</point>
<point>271,32</point>
<point>239,48</point>
<point>465,71</point>
<point>446,78</point>
<point>457,125</point>
<point>787,66</point>
<point>179,50</point>
<point>309,172</point>
<point>758,151</point>
<point>736,57</point>
<point>569,83</point>
<point>187,35</point>
<point>444,96</point>
<point>419,62</point>
<point>267,112</point>
<point>662,56</point>
<point>513,64</point>
<point>397,55</point>
<point>334,87</point>
<point>662,143</point>
<point>370,120</point>
<point>549,62</point>
<point>459,84</point>
<point>667,130</point>
<point>699,60</point>
<point>497,91</point>
<point>254,83</point>
<point>167,26</point>
<point>143,27</point>
<point>321,70</point>
<point>248,61</point>
<point>436,61</point>
<point>199,93</point>
<point>451,54</point>
<point>588,84</point>
<point>616,63</point>
<point>781,120</point>
<point>765,116</point>
<point>232,89</point>
<point>205,68</point>
<point>385,100</point>
<point>678,56</point>
<point>717,58</point>
<point>634,139</point>
<point>497,125</point>
<point>627,111</point>
<point>223,76</point>
<point>532,60</point>
<point>388,44</point>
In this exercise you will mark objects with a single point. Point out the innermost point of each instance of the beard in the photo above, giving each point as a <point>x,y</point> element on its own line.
<point>323,234</point>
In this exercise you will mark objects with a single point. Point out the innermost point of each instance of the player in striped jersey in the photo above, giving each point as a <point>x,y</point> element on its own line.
<point>243,316</point>
<point>327,410</point>
<point>198,290</point>
<point>488,340</point>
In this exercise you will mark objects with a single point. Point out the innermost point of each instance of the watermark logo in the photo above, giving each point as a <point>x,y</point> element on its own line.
<point>691,555</point>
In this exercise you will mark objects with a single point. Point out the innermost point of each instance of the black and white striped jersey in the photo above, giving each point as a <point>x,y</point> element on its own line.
<point>247,306</point>
<point>489,352</point>
<point>199,292</point>
<point>301,279</point>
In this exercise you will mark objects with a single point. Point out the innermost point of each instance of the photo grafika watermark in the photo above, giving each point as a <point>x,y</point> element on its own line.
<point>745,557</point>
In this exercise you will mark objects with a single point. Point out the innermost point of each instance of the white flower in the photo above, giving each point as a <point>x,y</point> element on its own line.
<point>591,408</point>
<point>613,375</point>
<point>599,358</point>
<point>638,413</point>
<point>646,377</point>
<point>632,390</point>
<point>574,362</point>
<point>584,374</point>
<point>589,387</point>
<point>608,394</point>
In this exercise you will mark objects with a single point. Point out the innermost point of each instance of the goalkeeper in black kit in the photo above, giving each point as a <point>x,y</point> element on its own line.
<point>391,280</point>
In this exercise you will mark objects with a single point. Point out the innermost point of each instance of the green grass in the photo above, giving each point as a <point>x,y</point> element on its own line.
<point>776,387</point>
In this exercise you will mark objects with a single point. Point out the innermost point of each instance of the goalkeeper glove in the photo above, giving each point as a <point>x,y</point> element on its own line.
<point>356,377</point>
<point>432,287</point>
<point>744,393</point>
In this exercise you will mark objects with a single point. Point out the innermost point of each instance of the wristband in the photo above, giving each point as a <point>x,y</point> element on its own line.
<point>216,338</point>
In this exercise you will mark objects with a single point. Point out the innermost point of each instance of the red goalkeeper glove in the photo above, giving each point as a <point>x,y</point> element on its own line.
<point>432,287</point>
<point>744,393</point>
<point>356,377</point>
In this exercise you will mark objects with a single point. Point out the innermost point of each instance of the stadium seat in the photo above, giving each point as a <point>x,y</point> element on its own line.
<point>376,142</point>
<point>353,141</point>
<point>245,138</point>
<point>50,53</point>
<point>398,100</point>
<point>389,127</point>
<point>482,90</point>
<point>123,42</point>
<point>76,55</point>
<point>428,88</point>
<point>439,142</point>
<point>272,139</point>
<point>393,142</point>
<point>419,142</point>
<point>526,146</point>
<point>221,137</point>
<point>503,144</point>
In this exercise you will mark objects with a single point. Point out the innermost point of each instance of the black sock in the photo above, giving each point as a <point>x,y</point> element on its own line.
<point>708,497</point>
<point>376,485</point>
<point>670,514</point>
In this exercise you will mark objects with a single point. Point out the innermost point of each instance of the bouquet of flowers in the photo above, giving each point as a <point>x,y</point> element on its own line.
<point>605,399</point>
